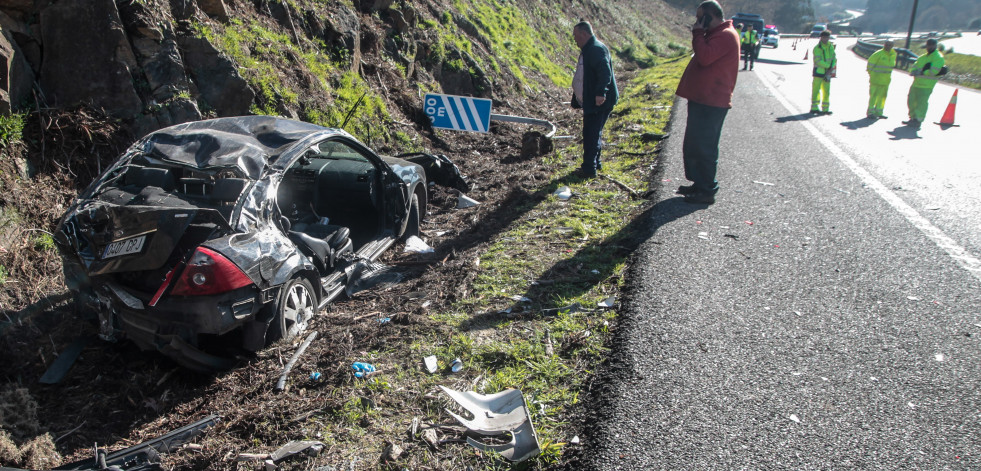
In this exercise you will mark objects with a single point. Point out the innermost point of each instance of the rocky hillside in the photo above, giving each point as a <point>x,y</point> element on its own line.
<point>154,63</point>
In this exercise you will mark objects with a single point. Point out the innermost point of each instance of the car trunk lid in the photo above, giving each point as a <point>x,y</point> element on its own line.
<point>112,239</point>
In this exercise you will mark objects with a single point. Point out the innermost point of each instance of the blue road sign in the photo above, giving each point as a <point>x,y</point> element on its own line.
<point>458,112</point>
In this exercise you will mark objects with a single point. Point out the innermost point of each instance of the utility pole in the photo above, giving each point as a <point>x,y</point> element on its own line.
<point>912,17</point>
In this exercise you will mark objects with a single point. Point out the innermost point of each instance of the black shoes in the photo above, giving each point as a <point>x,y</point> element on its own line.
<point>694,196</point>
<point>700,198</point>
<point>686,190</point>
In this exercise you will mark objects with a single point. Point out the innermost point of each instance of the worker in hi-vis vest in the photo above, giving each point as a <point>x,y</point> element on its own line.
<point>748,40</point>
<point>925,72</point>
<point>824,63</point>
<point>880,67</point>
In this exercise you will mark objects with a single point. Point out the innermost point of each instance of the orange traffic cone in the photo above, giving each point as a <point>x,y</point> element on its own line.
<point>948,118</point>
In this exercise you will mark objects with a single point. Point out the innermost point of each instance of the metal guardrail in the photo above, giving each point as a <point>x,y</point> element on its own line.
<point>523,120</point>
<point>904,57</point>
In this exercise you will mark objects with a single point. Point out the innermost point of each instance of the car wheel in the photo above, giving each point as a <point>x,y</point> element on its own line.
<point>414,219</point>
<point>295,307</point>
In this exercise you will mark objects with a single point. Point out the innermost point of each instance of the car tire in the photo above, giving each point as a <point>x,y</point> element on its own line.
<point>413,219</point>
<point>294,309</point>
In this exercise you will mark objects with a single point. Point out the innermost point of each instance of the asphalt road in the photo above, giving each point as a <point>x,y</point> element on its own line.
<point>824,313</point>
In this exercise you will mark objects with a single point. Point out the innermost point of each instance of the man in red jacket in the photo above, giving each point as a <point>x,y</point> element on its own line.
<point>707,83</point>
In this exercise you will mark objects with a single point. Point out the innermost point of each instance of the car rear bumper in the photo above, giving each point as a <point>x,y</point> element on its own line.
<point>175,324</point>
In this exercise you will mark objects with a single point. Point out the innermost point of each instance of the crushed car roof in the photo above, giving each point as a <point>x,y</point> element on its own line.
<point>247,142</point>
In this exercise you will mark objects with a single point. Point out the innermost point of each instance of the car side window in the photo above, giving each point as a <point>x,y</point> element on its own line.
<point>334,182</point>
<point>337,150</point>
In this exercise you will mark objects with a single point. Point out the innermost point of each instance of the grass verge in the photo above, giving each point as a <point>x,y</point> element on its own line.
<point>531,319</point>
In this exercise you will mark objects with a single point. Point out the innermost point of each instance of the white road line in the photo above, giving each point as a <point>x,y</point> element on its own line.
<point>945,242</point>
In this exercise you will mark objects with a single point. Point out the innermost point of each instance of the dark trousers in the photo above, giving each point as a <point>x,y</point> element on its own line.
<point>749,59</point>
<point>592,126</point>
<point>701,145</point>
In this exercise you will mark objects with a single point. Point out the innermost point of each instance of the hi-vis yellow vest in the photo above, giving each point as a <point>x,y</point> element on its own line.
<point>935,61</point>
<point>880,66</point>
<point>824,58</point>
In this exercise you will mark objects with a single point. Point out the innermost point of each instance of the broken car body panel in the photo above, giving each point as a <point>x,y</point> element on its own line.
<point>197,229</point>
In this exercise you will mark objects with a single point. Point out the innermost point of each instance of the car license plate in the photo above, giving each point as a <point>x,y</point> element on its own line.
<point>124,247</point>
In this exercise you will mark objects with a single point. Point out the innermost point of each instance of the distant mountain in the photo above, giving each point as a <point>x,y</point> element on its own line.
<point>893,15</point>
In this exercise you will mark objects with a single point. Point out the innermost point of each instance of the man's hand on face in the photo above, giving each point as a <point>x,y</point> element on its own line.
<point>700,20</point>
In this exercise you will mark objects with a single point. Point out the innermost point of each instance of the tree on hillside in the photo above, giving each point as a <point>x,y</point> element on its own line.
<point>794,15</point>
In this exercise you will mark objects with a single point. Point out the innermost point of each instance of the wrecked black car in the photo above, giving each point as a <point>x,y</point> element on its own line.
<point>224,235</point>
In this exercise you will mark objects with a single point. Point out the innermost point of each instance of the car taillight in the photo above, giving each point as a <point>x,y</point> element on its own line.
<point>208,272</point>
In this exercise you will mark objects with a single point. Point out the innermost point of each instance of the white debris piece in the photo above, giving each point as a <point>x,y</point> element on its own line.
<point>430,363</point>
<point>464,201</point>
<point>501,415</point>
<point>795,418</point>
<point>416,245</point>
<point>563,193</point>
<point>608,302</point>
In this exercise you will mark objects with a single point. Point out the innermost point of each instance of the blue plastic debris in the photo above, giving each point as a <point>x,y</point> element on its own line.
<point>315,376</point>
<point>362,369</point>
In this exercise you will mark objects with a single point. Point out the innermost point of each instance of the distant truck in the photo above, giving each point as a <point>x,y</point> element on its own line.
<point>747,19</point>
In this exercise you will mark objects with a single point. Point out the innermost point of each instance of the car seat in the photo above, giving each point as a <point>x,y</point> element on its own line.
<point>324,243</point>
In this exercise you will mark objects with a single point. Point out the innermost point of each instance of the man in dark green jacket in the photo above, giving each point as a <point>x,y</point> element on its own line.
<point>595,91</point>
